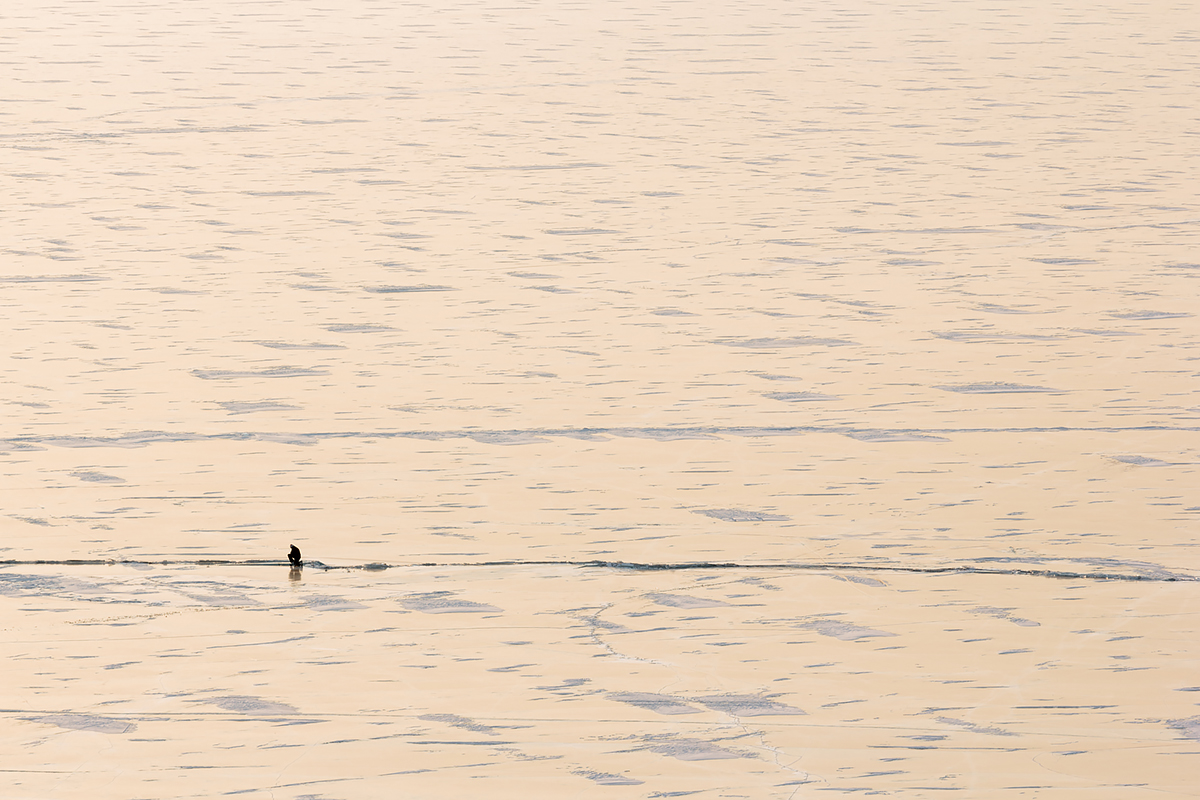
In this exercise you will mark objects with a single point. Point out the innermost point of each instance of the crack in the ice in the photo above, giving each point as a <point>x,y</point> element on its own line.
<point>597,624</point>
<point>1154,574</point>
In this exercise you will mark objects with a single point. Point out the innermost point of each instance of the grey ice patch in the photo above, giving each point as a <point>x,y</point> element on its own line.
<point>1141,461</point>
<point>274,372</point>
<point>1096,332</point>
<point>300,346</point>
<point>86,722</point>
<point>992,308</point>
<point>1188,728</point>
<point>128,440</point>
<point>895,436</point>
<point>569,685</point>
<point>1003,613</point>
<point>51,278</point>
<point>445,603</point>
<point>286,438</point>
<point>748,705</point>
<point>608,779</point>
<point>966,229</point>
<point>236,407</point>
<point>579,231</point>
<point>536,167</point>
<point>768,343</point>
<point>602,624</point>
<point>298,193</point>
<point>424,287</point>
<point>989,336</point>
<point>741,515</point>
<point>685,601</point>
<point>800,397</point>
<point>326,122</point>
<point>365,328</point>
<point>973,728</point>
<point>658,703</point>
<point>223,598</point>
<point>660,434</point>
<point>96,477</point>
<point>324,603</point>
<point>1140,315</point>
<point>402,235</point>
<point>245,704</point>
<point>535,276</point>
<point>846,631</point>
<point>911,262</point>
<point>456,721</point>
<point>312,287</point>
<point>691,749</point>
<point>860,579</point>
<point>18,585</point>
<point>995,387</point>
<point>194,129</point>
<point>507,438</point>
<point>671,312</point>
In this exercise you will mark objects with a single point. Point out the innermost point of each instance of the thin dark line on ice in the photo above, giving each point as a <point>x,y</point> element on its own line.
<point>628,566</point>
<point>531,435</point>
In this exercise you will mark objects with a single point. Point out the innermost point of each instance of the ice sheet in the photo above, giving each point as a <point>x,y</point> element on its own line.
<point>766,400</point>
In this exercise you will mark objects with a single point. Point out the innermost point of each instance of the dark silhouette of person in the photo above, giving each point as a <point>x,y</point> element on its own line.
<point>294,557</point>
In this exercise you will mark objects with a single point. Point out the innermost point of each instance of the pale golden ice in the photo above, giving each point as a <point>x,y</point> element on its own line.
<point>675,399</point>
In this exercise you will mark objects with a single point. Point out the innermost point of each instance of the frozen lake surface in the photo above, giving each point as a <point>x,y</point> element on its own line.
<point>677,399</point>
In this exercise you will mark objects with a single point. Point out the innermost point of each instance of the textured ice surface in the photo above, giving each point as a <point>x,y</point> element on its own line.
<point>812,388</point>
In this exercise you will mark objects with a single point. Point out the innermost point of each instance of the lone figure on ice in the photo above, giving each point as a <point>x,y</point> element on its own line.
<point>294,557</point>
